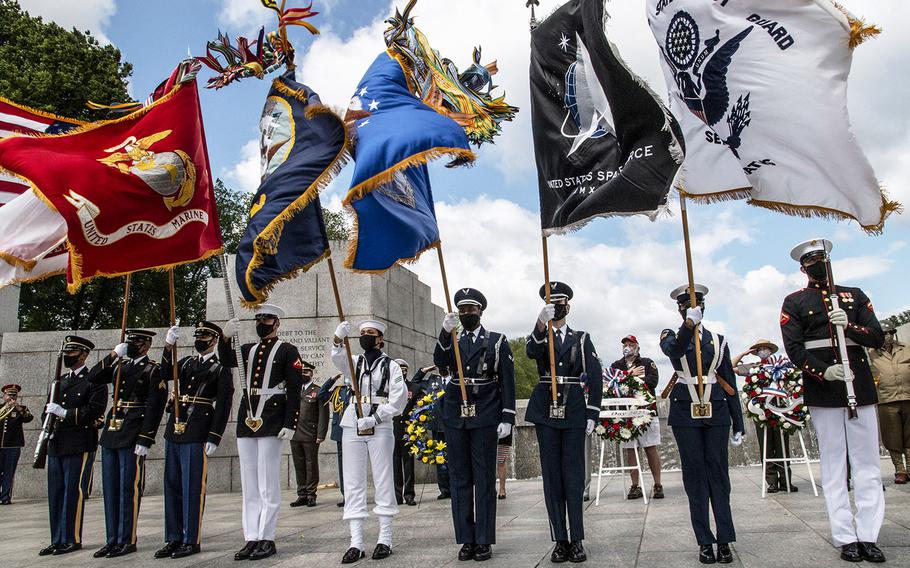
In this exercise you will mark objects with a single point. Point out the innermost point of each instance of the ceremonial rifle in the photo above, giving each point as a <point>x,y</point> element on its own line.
<point>50,420</point>
<point>841,344</point>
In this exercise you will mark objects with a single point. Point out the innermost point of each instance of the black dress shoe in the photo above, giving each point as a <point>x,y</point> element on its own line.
<point>483,552</point>
<point>577,552</point>
<point>501,496</point>
<point>724,555</point>
<point>444,495</point>
<point>300,502</point>
<point>783,486</point>
<point>248,548</point>
<point>185,550</point>
<point>104,550</point>
<point>264,549</point>
<point>409,501</point>
<point>773,488</point>
<point>121,550</point>
<point>850,552</point>
<point>47,550</point>
<point>340,503</point>
<point>466,552</point>
<point>381,551</point>
<point>311,501</point>
<point>870,552</point>
<point>658,491</point>
<point>67,548</point>
<point>560,552</point>
<point>352,555</point>
<point>168,549</point>
<point>706,554</point>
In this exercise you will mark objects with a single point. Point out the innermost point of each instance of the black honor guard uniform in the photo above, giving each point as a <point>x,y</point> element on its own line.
<point>808,323</point>
<point>472,427</point>
<point>128,433</point>
<point>78,412</point>
<point>205,392</point>
<point>702,426</point>
<point>562,426</point>
<point>12,416</point>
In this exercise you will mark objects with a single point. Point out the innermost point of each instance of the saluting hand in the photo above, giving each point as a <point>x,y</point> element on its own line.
<point>638,371</point>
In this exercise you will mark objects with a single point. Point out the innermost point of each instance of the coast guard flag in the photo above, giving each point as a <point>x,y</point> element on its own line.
<point>605,145</point>
<point>302,145</point>
<point>760,89</point>
<point>390,191</point>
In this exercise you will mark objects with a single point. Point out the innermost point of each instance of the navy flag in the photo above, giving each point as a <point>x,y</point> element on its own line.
<point>605,145</point>
<point>303,146</point>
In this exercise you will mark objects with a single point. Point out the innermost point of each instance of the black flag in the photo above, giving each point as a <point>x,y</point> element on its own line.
<point>605,145</point>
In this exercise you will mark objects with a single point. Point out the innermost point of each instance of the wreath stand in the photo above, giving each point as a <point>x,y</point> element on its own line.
<point>622,468</point>
<point>765,460</point>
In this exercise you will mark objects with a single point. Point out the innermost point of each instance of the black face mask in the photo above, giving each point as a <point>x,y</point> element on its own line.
<point>202,344</point>
<point>70,360</point>
<point>368,342</point>
<point>470,321</point>
<point>132,350</point>
<point>560,312</point>
<point>263,329</point>
<point>818,272</point>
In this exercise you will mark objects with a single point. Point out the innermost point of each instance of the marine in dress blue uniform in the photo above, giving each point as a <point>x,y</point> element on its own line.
<point>702,441</point>
<point>79,409</point>
<point>128,433</point>
<point>489,375</point>
<point>206,393</point>
<point>562,439</point>
<point>12,416</point>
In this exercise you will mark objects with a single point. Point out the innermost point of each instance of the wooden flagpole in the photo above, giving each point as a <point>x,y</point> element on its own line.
<point>551,342</point>
<point>178,426</point>
<point>692,300</point>
<point>117,423</point>
<point>445,288</point>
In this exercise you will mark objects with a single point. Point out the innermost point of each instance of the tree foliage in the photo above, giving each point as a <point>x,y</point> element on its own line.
<point>526,377</point>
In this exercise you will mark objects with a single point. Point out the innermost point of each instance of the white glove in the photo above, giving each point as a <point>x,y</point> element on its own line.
<point>449,322</point>
<point>173,334</point>
<point>546,313</point>
<point>55,409</point>
<point>838,317</point>
<point>210,448</point>
<point>285,434</point>
<point>343,330</point>
<point>366,423</point>
<point>694,314</point>
<point>230,327</point>
<point>120,350</point>
<point>834,373</point>
<point>736,439</point>
<point>589,427</point>
<point>141,450</point>
<point>503,430</point>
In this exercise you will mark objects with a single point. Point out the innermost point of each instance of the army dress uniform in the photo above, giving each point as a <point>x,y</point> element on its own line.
<point>312,428</point>
<point>206,393</point>
<point>562,440</point>
<point>133,422</point>
<point>702,442</point>
<point>809,339</point>
<point>489,375</point>
<point>71,450</point>
<point>12,438</point>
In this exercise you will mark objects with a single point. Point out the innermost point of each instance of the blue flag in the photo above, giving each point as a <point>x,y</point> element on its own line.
<point>303,146</point>
<point>390,195</point>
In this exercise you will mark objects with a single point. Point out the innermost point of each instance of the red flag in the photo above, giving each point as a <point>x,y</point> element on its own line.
<point>136,192</point>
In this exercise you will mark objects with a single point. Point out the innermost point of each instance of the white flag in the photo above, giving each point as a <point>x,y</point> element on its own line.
<point>32,242</point>
<point>760,90</point>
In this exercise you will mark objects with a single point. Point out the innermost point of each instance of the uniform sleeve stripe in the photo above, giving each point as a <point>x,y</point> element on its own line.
<point>593,408</point>
<point>509,410</point>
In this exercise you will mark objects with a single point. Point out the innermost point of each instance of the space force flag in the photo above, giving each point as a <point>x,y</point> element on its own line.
<point>135,192</point>
<point>605,145</point>
<point>760,89</point>
<point>303,146</point>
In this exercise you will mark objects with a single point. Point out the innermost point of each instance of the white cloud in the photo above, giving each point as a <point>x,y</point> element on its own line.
<point>244,16</point>
<point>246,172</point>
<point>91,15</point>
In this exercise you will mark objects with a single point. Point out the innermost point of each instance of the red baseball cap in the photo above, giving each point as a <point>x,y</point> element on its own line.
<point>629,338</point>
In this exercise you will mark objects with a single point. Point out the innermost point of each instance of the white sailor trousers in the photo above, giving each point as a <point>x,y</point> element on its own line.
<point>260,461</point>
<point>840,439</point>
<point>356,453</point>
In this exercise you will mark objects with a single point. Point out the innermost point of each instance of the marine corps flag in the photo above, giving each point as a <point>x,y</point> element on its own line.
<point>303,146</point>
<point>760,89</point>
<point>135,192</point>
<point>605,145</point>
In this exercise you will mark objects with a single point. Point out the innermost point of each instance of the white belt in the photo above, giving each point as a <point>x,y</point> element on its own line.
<point>267,392</point>
<point>823,343</point>
<point>373,400</point>
<point>708,379</point>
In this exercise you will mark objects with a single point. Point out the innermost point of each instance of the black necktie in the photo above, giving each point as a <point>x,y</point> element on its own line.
<point>558,339</point>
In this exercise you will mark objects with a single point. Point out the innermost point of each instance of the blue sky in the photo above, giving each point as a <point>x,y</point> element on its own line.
<point>622,270</point>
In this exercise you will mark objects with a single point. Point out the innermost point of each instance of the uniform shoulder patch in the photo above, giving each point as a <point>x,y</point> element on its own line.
<point>784,318</point>
<point>653,365</point>
<point>869,305</point>
<point>298,364</point>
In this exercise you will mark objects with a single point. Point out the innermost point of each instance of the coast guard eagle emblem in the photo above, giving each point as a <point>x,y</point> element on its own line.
<point>701,77</point>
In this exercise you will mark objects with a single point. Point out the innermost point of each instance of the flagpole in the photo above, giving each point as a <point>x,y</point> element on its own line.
<point>355,381</point>
<point>445,288</point>
<point>178,427</point>
<point>550,343</point>
<point>692,300</point>
<point>235,340</point>
<point>115,424</point>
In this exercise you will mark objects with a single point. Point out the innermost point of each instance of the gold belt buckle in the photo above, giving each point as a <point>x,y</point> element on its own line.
<point>179,427</point>
<point>468,410</point>
<point>701,410</point>
<point>557,411</point>
<point>115,425</point>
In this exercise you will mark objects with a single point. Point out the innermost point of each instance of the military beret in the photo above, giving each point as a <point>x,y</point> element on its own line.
<point>810,247</point>
<point>204,327</point>
<point>558,291</point>
<point>681,294</point>
<point>470,296</point>
<point>72,342</point>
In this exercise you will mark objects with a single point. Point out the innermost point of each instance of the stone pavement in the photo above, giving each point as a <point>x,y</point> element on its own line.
<point>781,531</point>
